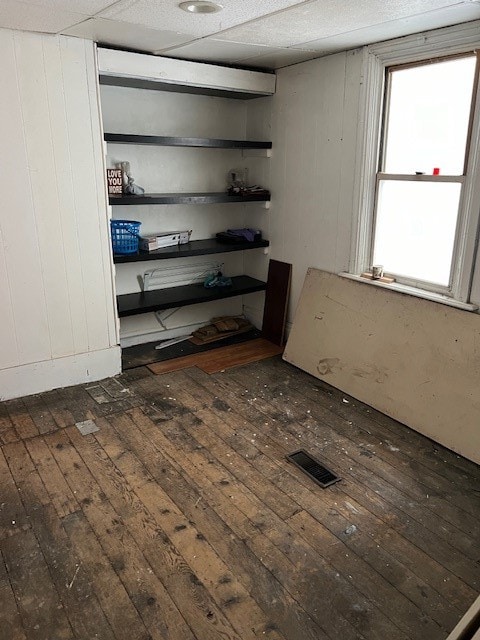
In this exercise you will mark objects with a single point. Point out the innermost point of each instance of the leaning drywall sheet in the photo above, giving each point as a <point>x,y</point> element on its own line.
<point>415,360</point>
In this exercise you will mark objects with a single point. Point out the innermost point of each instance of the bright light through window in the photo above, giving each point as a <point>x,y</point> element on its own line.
<point>425,133</point>
<point>416,229</point>
<point>428,115</point>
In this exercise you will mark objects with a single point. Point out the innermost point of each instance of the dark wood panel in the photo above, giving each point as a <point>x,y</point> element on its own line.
<point>276,301</point>
<point>194,248</point>
<point>172,141</point>
<point>187,198</point>
<point>153,85</point>
<point>146,301</point>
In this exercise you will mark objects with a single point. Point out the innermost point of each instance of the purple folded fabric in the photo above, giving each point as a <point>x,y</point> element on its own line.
<point>248,234</point>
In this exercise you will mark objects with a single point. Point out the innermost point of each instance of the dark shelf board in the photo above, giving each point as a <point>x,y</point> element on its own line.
<point>171,141</point>
<point>131,304</point>
<point>140,83</point>
<point>186,198</point>
<point>194,248</point>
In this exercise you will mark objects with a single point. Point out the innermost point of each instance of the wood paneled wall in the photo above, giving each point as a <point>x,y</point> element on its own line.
<point>312,121</point>
<point>55,269</point>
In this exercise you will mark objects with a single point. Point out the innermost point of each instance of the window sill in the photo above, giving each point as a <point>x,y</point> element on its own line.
<point>412,291</point>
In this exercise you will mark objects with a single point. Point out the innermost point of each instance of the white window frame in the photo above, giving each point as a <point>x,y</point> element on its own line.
<point>376,58</point>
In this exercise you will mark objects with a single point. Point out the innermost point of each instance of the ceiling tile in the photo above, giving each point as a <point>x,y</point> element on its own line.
<point>277,58</point>
<point>87,7</point>
<point>126,35</point>
<point>30,17</point>
<point>212,50</point>
<point>395,29</point>
<point>166,14</point>
<point>325,18</point>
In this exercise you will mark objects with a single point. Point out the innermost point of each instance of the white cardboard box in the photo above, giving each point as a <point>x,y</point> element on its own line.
<point>164,239</point>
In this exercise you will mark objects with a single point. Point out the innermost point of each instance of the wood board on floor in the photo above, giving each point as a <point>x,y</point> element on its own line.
<point>221,358</point>
<point>415,360</point>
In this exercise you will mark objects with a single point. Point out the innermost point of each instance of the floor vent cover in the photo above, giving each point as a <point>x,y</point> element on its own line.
<point>313,468</point>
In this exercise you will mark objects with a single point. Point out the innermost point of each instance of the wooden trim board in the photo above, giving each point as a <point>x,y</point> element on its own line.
<point>415,360</point>
<point>220,358</point>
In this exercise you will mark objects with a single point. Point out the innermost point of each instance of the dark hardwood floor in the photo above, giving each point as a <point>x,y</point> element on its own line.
<point>180,518</point>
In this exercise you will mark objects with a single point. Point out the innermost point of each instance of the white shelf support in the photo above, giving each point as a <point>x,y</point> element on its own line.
<point>256,153</point>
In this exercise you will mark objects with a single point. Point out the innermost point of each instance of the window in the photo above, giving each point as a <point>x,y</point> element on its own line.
<point>422,163</point>
<point>418,187</point>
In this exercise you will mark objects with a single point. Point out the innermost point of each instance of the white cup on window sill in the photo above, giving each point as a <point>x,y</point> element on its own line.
<point>377,271</point>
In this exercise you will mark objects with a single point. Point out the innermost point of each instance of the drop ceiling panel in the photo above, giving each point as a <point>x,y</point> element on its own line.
<point>123,34</point>
<point>212,50</point>
<point>33,17</point>
<point>394,29</point>
<point>277,58</point>
<point>167,15</point>
<point>87,7</point>
<point>325,18</point>
<point>264,33</point>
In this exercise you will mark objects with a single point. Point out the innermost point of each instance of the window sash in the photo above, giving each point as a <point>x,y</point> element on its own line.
<point>408,177</point>
<point>459,39</point>
<point>402,279</point>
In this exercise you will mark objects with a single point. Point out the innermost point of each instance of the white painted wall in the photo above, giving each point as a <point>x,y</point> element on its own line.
<point>313,120</point>
<point>174,169</point>
<point>313,126</point>
<point>57,317</point>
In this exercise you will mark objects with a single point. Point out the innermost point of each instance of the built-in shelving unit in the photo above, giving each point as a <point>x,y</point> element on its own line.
<point>149,72</point>
<point>130,304</point>
<point>194,248</point>
<point>187,198</point>
<point>172,141</point>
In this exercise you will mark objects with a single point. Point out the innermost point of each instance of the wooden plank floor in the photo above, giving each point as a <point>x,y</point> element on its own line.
<point>180,518</point>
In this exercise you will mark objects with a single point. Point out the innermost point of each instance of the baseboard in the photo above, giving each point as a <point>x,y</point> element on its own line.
<point>37,377</point>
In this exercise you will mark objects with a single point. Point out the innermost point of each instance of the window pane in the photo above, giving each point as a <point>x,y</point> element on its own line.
<point>415,228</point>
<point>428,117</point>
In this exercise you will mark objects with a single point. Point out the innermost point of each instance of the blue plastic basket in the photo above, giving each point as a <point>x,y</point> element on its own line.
<point>125,235</point>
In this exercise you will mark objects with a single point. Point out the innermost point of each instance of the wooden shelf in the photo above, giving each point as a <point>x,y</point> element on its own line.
<point>131,304</point>
<point>194,248</point>
<point>171,141</point>
<point>186,198</point>
<point>156,85</point>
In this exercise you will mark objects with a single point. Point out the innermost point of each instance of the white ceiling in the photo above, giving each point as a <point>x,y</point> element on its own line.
<point>250,33</point>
